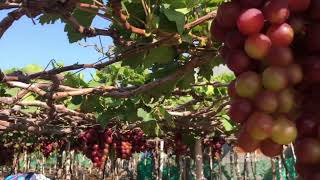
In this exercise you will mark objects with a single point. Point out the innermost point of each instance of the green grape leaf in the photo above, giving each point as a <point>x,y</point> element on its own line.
<point>135,60</point>
<point>206,70</point>
<point>166,25</point>
<point>91,104</point>
<point>29,109</point>
<point>227,123</point>
<point>130,113</point>
<point>32,68</point>
<point>103,118</point>
<point>175,16</point>
<point>163,90</point>
<point>144,115</point>
<point>178,4</point>
<point>73,106</point>
<point>74,103</point>
<point>137,14</point>
<point>151,128</point>
<point>74,80</point>
<point>2,90</point>
<point>163,114</point>
<point>48,19</point>
<point>186,81</point>
<point>159,55</point>
<point>163,70</point>
<point>12,92</point>
<point>84,18</point>
<point>189,140</point>
<point>187,38</point>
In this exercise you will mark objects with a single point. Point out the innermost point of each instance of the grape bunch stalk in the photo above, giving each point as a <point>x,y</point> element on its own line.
<point>273,47</point>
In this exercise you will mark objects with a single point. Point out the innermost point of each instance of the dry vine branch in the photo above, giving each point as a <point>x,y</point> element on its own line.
<point>214,84</point>
<point>49,94</point>
<point>9,20</point>
<point>214,113</point>
<point>45,74</point>
<point>116,6</point>
<point>206,112</point>
<point>9,5</point>
<point>201,20</point>
<point>9,121</point>
<point>117,92</point>
<point>43,105</point>
<point>33,8</point>
<point>58,95</point>
<point>86,31</point>
<point>188,67</point>
<point>29,87</point>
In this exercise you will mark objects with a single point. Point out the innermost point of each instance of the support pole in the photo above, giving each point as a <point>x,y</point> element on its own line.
<point>199,159</point>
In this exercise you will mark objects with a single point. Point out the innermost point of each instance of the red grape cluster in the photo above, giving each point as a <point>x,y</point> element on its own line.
<point>47,146</point>
<point>125,150</point>
<point>216,144</point>
<point>150,146</point>
<point>138,140</point>
<point>128,142</point>
<point>273,47</point>
<point>180,148</point>
<point>307,145</point>
<point>97,143</point>
<point>98,154</point>
<point>173,145</point>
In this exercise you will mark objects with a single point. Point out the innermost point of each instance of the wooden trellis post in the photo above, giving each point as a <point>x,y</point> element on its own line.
<point>43,161</point>
<point>59,164</point>
<point>156,159</point>
<point>183,172</point>
<point>273,167</point>
<point>67,165</point>
<point>237,165</point>
<point>15,162</point>
<point>280,169</point>
<point>25,161</point>
<point>161,154</point>
<point>210,155</point>
<point>231,159</point>
<point>199,159</point>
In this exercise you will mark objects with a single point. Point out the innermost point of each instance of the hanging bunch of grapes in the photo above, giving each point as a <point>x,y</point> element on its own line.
<point>128,142</point>
<point>216,145</point>
<point>273,47</point>
<point>180,148</point>
<point>96,143</point>
<point>47,148</point>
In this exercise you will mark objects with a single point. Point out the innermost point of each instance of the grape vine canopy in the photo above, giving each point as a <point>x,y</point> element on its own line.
<point>162,79</point>
<point>158,76</point>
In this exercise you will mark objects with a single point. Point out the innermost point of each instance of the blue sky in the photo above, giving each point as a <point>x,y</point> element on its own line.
<point>25,43</point>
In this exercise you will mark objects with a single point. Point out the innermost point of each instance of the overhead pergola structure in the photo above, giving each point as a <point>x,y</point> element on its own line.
<point>53,116</point>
